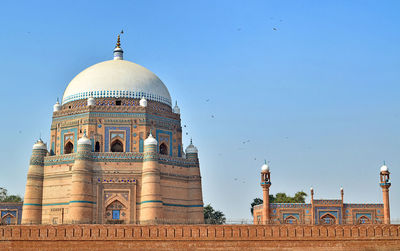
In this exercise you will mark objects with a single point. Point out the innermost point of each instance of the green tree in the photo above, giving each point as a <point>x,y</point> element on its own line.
<point>299,197</point>
<point>4,197</point>
<point>212,216</point>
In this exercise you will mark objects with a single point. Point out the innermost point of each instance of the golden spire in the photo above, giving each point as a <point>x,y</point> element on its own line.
<point>118,40</point>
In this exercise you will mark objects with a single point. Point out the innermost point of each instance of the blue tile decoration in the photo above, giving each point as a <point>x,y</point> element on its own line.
<point>158,131</point>
<point>335,211</point>
<point>116,94</point>
<point>72,130</point>
<point>296,215</point>
<point>368,215</point>
<point>107,137</point>
<point>179,151</point>
<point>141,145</point>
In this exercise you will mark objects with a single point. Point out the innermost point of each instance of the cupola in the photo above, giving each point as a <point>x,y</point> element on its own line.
<point>191,148</point>
<point>150,140</point>
<point>143,102</point>
<point>39,145</point>
<point>84,140</point>
<point>176,109</point>
<point>57,106</point>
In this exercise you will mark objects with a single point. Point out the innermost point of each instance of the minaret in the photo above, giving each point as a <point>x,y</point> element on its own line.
<point>385,184</point>
<point>151,204</point>
<point>195,211</point>
<point>312,205</point>
<point>265,184</point>
<point>118,52</point>
<point>82,200</point>
<point>342,193</point>
<point>32,207</point>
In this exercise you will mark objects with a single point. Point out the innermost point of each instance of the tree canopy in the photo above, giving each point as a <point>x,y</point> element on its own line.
<point>299,197</point>
<point>212,216</point>
<point>5,197</point>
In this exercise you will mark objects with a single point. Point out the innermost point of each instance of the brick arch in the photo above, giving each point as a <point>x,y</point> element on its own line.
<point>327,218</point>
<point>68,147</point>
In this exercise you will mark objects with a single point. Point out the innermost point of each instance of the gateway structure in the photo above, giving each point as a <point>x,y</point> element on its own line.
<point>115,154</point>
<point>322,211</point>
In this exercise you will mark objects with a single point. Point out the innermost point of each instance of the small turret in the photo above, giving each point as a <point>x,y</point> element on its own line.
<point>191,151</point>
<point>151,204</point>
<point>176,109</point>
<point>143,102</point>
<point>91,101</point>
<point>82,199</point>
<point>32,207</point>
<point>57,106</point>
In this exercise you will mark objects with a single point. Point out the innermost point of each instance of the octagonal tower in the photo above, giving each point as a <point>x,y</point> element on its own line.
<point>99,168</point>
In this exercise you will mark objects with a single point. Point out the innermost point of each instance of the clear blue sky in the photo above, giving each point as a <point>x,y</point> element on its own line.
<point>318,96</point>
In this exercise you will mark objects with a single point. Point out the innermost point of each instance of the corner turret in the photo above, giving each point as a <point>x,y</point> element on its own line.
<point>32,207</point>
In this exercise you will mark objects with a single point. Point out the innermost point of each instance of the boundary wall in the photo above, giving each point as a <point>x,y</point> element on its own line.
<point>199,237</point>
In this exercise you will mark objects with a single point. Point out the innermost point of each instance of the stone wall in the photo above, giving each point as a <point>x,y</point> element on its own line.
<point>191,237</point>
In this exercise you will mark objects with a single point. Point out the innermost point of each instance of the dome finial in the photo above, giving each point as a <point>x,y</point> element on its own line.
<point>118,52</point>
<point>118,39</point>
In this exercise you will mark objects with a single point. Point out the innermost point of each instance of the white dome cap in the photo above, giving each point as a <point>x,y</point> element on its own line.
<point>191,148</point>
<point>57,106</point>
<point>39,145</point>
<point>84,140</point>
<point>91,101</point>
<point>265,167</point>
<point>384,168</point>
<point>150,140</point>
<point>176,109</point>
<point>143,102</point>
<point>118,79</point>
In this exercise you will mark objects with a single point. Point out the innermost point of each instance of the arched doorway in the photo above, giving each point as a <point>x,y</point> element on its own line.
<point>97,147</point>
<point>328,219</point>
<point>116,212</point>
<point>117,146</point>
<point>163,149</point>
<point>69,148</point>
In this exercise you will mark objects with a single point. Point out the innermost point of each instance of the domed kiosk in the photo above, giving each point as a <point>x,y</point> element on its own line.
<point>115,154</point>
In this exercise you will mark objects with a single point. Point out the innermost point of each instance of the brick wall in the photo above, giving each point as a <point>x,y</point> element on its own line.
<point>190,237</point>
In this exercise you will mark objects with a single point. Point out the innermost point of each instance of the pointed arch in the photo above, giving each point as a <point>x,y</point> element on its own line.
<point>363,220</point>
<point>290,220</point>
<point>68,148</point>
<point>328,218</point>
<point>117,146</point>
<point>97,146</point>
<point>163,149</point>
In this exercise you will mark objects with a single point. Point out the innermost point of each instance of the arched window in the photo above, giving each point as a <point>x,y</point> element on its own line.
<point>117,146</point>
<point>69,148</point>
<point>291,220</point>
<point>97,147</point>
<point>163,149</point>
<point>328,219</point>
<point>363,220</point>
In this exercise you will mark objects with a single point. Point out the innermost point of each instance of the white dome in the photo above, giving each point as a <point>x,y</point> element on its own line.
<point>91,101</point>
<point>117,78</point>
<point>57,106</point>
<point>39,145</point>
<point>384,168</point>
<point>265,167</point>
<point>191,148</point>
<point>143,102</point>
<point>150,140</point>
<point>84,140</point>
